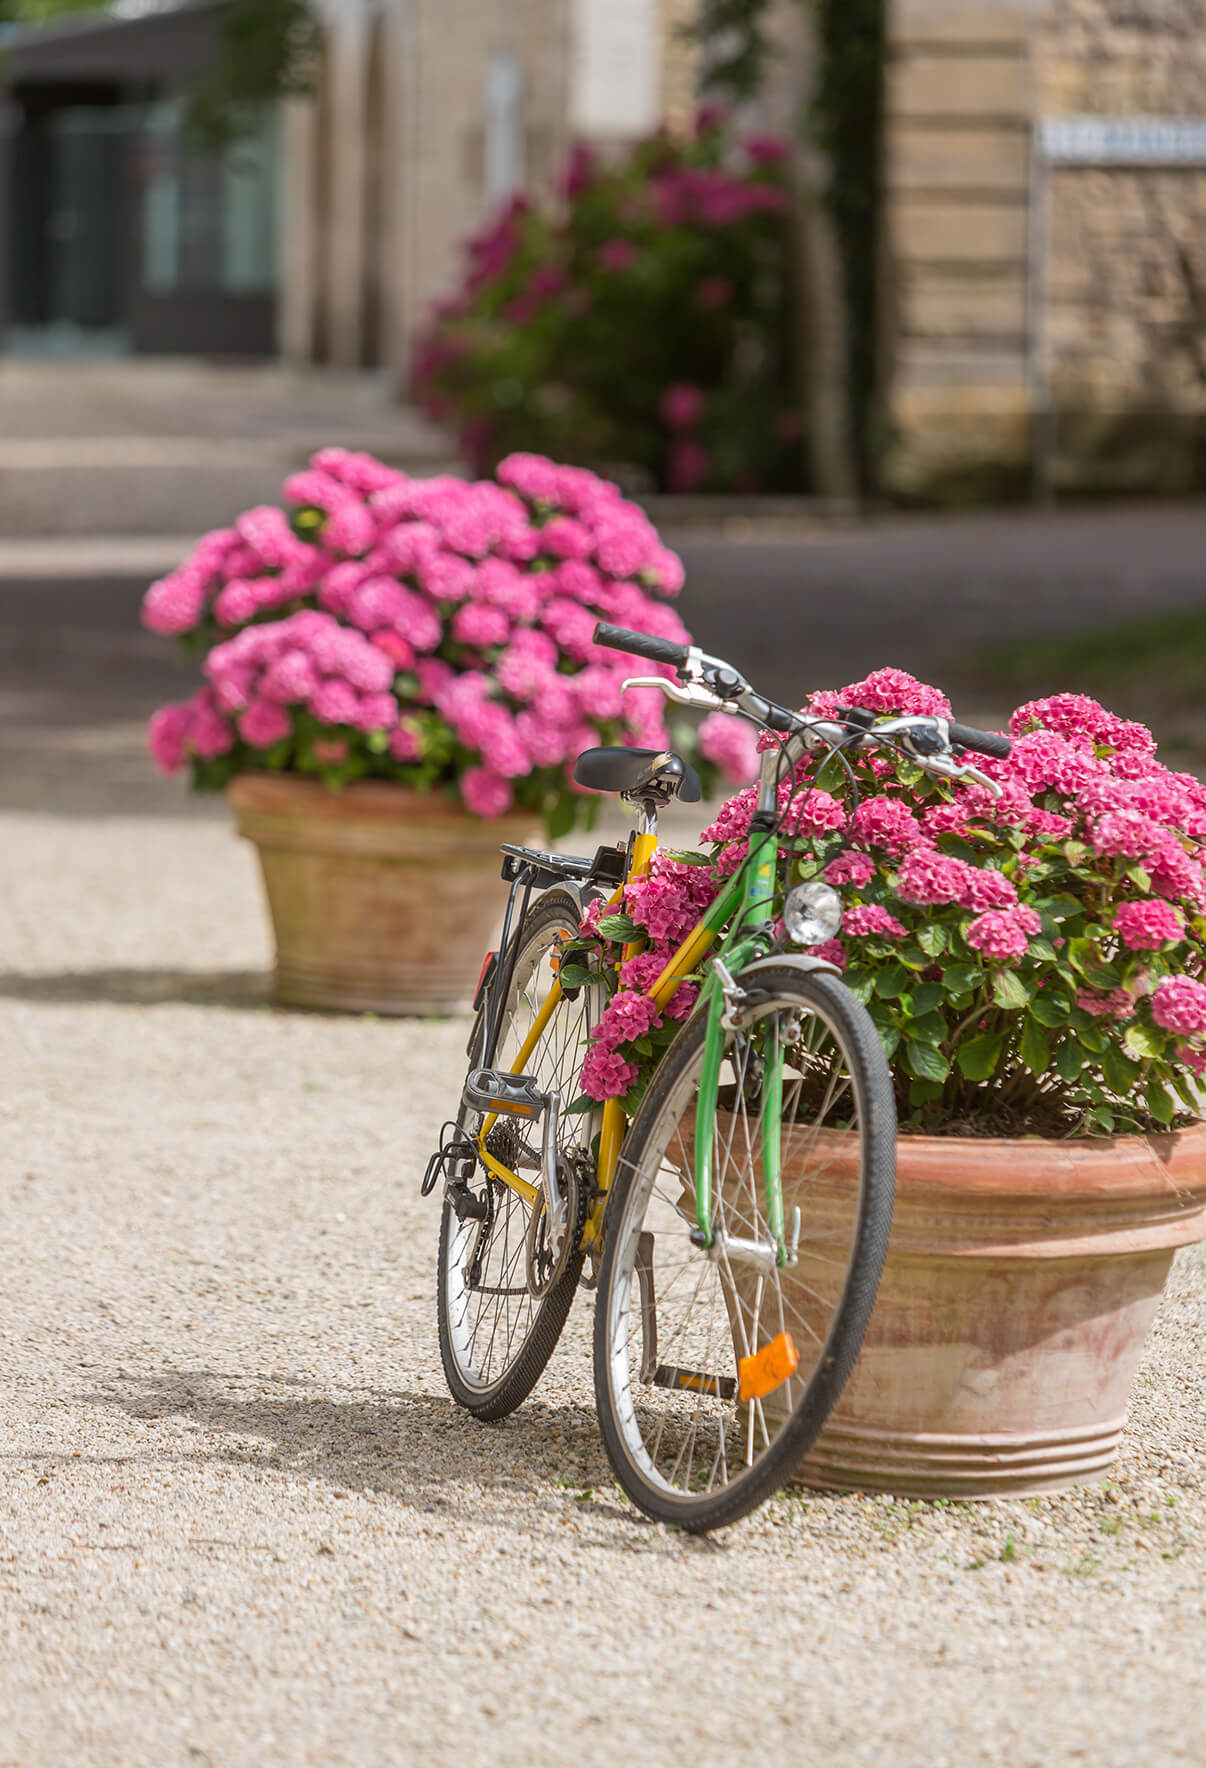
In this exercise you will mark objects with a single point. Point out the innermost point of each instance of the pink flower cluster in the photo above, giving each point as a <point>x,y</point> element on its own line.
<point>1002,934</point>
<point>475,603</point>
<point>1179,1004</point>
<point>1146,926</point>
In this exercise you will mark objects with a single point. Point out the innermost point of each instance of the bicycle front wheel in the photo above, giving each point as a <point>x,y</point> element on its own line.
<point>716,1368</point>
<point>496,1331</point>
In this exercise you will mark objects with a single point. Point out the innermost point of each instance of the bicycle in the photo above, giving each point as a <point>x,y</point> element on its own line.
<point>726,1324</point>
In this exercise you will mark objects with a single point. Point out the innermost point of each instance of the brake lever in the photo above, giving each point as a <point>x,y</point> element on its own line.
<point>945,767</point>
<point>689,694</point>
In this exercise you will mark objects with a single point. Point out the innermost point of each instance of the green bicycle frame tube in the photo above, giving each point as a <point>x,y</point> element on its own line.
<point>755,894</point>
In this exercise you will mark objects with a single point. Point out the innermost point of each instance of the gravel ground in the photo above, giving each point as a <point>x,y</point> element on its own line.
<point>242,1521</point>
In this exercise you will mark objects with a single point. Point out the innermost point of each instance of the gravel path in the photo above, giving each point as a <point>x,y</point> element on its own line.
<point>241,1521</point>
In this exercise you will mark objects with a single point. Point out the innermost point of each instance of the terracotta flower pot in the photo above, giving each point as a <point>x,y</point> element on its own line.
<point>1021,1281</point>
<point>382,899</point>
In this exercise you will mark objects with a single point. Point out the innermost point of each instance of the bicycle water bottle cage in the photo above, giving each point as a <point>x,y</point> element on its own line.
<point>515,1095</point>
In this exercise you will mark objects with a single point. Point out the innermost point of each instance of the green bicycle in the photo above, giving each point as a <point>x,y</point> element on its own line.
<point>737,1227</point>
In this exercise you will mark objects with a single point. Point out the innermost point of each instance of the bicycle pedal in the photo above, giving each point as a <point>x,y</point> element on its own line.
<point>467,1205</point>
<point>693,1381</point>
<point>491,1090</point>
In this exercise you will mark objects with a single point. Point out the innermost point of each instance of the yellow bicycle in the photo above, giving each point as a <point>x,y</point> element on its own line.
<point>737,1227</point>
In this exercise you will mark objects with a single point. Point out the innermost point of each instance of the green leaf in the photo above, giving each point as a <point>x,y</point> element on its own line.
<point>641,1046</point>
<point>912,957</point>
<point>931,1028</point>
<point>1008,990</point>
<point>923,1092</point>
<point>892,980</point>
<point>1033,1049</point>
<point>1069,1059</point>
<point>1162,1108</point>
<point>1140,876</point>
<point>932,939</point>
<point>1048,1009</point>
<point>1103,1117</point>
<point>889,1037</point>
<point>979,1055</point>
<point>927,996</point>
<point>574,975</point>
<point>1044,951</point>
<point>581,1104</point>
<point>559,820</point>
<point>690,859</point>
<point>861,984</point>
<point>1074,852</point>
<point>961,978</point>
<point>622,928</point>
<point>924,1061</point>
<point>1140,1040</point>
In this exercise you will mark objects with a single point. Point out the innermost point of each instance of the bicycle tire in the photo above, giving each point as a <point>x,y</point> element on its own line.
<point>641,1195</point>
<point>489,1393</point>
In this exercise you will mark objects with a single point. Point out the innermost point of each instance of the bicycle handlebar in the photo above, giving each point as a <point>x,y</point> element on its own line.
<point>718,682</point>
<point>642,644</point>
<point>966,736</point>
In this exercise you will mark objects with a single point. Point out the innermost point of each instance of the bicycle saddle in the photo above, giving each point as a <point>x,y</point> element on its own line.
<point>629,770</point>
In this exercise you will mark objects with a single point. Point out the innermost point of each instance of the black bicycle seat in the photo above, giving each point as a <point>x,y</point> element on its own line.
<point>629,770</point>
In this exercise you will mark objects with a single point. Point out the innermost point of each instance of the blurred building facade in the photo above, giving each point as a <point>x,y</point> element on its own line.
<point>1045,234</point>
<point>1042,317</point>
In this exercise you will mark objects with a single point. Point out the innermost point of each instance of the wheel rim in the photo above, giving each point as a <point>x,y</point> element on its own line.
<point>491,1313</point>
<point>693,1442</point>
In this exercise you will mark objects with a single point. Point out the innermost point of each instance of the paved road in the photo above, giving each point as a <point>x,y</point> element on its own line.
<point>241,1522</point>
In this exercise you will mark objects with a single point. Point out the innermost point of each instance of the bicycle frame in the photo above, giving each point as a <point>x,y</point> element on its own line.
<point>748,903</point>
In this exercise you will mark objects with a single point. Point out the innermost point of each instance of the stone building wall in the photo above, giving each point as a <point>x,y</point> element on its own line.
<point>1125,287</point>
<point>1000,302</point>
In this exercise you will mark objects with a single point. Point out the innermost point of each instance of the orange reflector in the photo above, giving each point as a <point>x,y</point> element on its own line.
<point>768,1368</point>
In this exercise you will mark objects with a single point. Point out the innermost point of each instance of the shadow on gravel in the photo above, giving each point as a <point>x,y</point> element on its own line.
<point>141,988</point>
<point>413,1446</point>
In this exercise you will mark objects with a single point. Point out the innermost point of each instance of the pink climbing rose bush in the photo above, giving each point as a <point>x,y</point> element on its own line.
<point>431,632</point>
<point>1034,963</point>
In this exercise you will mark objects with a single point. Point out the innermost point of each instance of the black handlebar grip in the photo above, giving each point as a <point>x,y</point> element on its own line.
<point>642,644</point>
<point>983,742</point>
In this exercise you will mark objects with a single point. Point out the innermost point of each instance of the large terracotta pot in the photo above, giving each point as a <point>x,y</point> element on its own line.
<point>383,900</point>
<point>1021,1281</point>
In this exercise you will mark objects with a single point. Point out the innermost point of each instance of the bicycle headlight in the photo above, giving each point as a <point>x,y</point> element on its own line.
<point>812,913</point>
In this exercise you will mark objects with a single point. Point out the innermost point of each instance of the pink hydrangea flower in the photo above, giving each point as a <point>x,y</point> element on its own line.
<point>627,1016</point>
<point>1002,934</point>
<point>870,918</point>
<point>682,406</point>
<point>606,1075</point>
<point>1179,1004</point>
<point>335,702</point>
<point>485,792</point>
<point>167,734</point>
<point>1118,1004</point>
<point>731,743</point>
<point>175,603</point>
<point>265,722</point>
<point>886,823</point>
<point>849,868</point>
<point>1146,926</point>
<point>405,743</point>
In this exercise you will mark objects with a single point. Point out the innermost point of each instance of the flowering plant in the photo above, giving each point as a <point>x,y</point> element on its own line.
<point>1034,962</point>
<point>431,632</point>
<point>644,329</point>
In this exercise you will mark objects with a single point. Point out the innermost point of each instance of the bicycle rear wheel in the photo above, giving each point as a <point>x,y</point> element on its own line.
<point>702,1410</point>
<point>496,1334</point>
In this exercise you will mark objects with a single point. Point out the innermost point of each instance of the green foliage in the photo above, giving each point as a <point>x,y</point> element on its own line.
<point>269,51</point>
<point>645,333</point>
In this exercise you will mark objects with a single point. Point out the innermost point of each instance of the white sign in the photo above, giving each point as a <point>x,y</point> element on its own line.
<point>1123,141</point>
<point>616,78</point>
